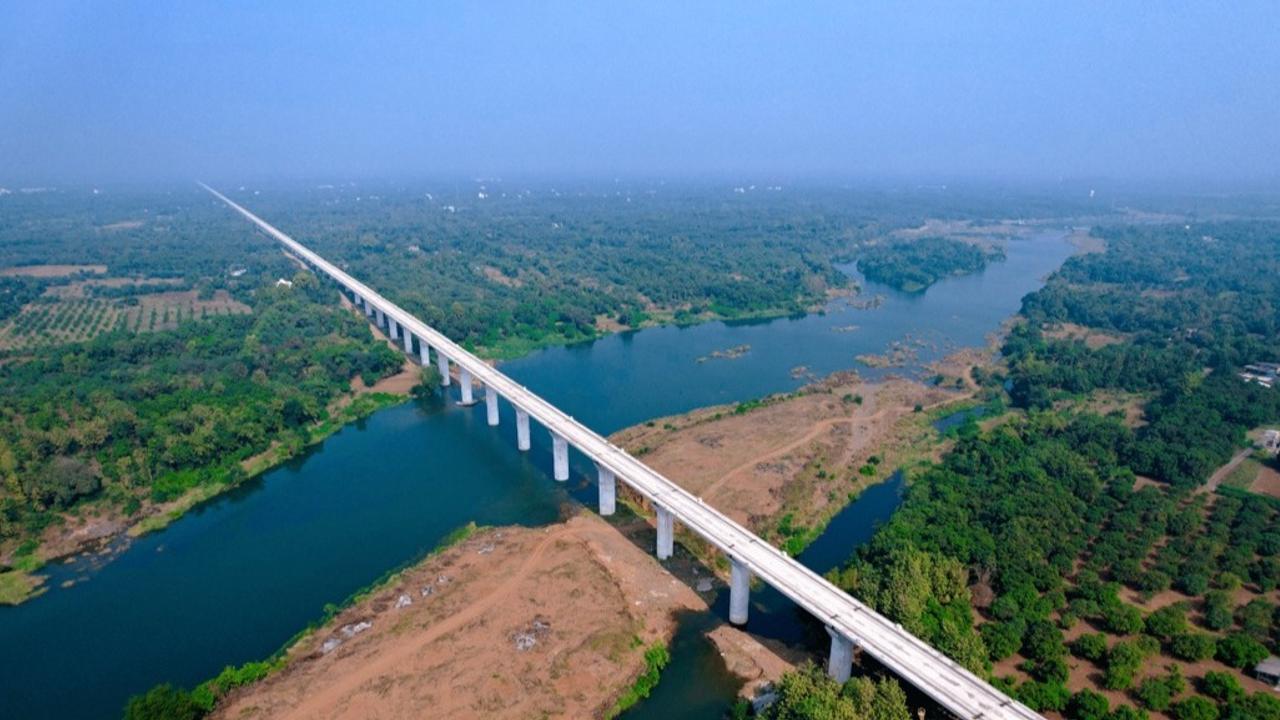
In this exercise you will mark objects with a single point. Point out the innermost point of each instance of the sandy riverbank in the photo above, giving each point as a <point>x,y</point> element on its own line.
<point>512,623</point>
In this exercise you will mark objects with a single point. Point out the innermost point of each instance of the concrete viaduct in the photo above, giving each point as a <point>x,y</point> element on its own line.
<point>849,622</point>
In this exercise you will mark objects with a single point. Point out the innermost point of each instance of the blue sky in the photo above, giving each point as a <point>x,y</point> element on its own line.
<point>96,92</point>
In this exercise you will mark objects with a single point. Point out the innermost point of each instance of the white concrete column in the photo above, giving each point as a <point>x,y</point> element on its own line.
<point>467,397</point>
<point>491,405</point>
<point>522,430</point>
<point>608,490</point>
<point>408,342</point>
<point>368,309</point>
<point>666,532</point>
<point>840,662</point>
<point>382,319</point>
<point>443,363</point>
<point>424,352</point>
<point>739,592</point>
<point>391,329</point>
<point>560,453</point>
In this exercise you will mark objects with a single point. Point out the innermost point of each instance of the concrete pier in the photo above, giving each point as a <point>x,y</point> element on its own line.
<point>666,532</point>
<point>522,430</point>
<point>468,396</point>
<point>491,405</point>
<point>382,319</point>
<point>408,342</point>
<point>840,663</point>
<point>443,363</point>
<point>739,592</point>
<point>560,453</point>
<point>368,309</point>
<point>424,352</point>
<point>608,490</point>
<point>392,328</point>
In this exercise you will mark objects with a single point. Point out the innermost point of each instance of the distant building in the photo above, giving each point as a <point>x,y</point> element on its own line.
<point>286,283</point>
<point>1271,441</point>
<point>1263,373</point>
<point>1268,671</point>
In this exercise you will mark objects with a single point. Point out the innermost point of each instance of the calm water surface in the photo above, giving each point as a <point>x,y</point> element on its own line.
<point>235,579</point>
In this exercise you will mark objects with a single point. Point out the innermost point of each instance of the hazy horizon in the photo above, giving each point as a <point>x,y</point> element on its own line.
<point>139,93</point>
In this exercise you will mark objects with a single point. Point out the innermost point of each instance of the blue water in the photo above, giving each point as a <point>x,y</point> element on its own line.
<point>233,580</point>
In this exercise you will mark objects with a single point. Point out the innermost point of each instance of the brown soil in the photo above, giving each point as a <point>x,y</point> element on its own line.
<point>799,454</point>
<point>47,271</point>
<point>1092,338</point>
<point>587,597</point>
<point>1267,482</point>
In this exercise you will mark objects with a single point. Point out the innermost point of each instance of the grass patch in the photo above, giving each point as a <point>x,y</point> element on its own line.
<point>656,657</point>
<point>1243,475</point>
<point>18,585</point>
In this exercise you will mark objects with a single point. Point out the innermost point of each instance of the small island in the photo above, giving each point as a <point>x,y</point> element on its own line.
<point>914,265</point>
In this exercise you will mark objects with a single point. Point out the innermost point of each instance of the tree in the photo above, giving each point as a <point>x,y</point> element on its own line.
<point>1122,619</point>
<point>1167,621</point>
<point>1240,651</point>
<point>1195,708</point>
<point>1090,646</point>
<point>162,702</point>
<point>1193,646</point>
<point>1222,686</point>
<point>1088,705</point>
<point>808,694</point>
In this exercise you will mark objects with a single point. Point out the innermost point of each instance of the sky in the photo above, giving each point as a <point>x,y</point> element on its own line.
<point>98,92</point>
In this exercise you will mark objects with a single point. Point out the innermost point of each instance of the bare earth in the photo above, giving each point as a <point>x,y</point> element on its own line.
<point>45,271</point>
<point>590,595</point>
<point>518,623</point>
<point>800,455</point>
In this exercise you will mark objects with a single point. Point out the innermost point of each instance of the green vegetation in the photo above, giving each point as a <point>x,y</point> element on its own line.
<point>914,265</point>
<point>656,657</point>
<point>127,420</point>
<point>1044,511</point>
<point>808,694</point>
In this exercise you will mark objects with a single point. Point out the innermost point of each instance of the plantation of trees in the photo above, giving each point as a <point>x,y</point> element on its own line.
<point>1157,596</point>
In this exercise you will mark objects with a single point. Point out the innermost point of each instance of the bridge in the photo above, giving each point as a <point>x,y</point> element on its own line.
<point>849,622</point>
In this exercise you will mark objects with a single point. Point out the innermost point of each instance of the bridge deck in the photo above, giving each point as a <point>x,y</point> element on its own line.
<point>916,662</point>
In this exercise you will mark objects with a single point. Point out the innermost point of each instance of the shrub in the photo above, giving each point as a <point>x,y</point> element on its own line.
<point>1041,696</point>
<point>1088,705</point>
<point>1240,651</point>
<point>1090,646</point>
<point>1193,646</point>
<point>1195,708</point>
<point>162,702</point>
<point>1221,685</point>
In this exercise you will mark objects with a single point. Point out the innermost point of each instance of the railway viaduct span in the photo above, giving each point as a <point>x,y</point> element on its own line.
<point>849,622</point>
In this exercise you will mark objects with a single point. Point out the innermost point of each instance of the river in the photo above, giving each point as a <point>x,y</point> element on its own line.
<point>237,577</point>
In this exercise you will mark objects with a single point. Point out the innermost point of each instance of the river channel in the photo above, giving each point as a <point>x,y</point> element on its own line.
<point>236,578</point>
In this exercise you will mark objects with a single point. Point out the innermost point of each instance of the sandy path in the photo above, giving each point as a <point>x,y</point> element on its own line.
<point>1221,474</point>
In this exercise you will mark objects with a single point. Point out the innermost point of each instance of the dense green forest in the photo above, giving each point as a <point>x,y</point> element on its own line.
<point>129,418</point>
<point>1036,530</point>
<point>914,265</point>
